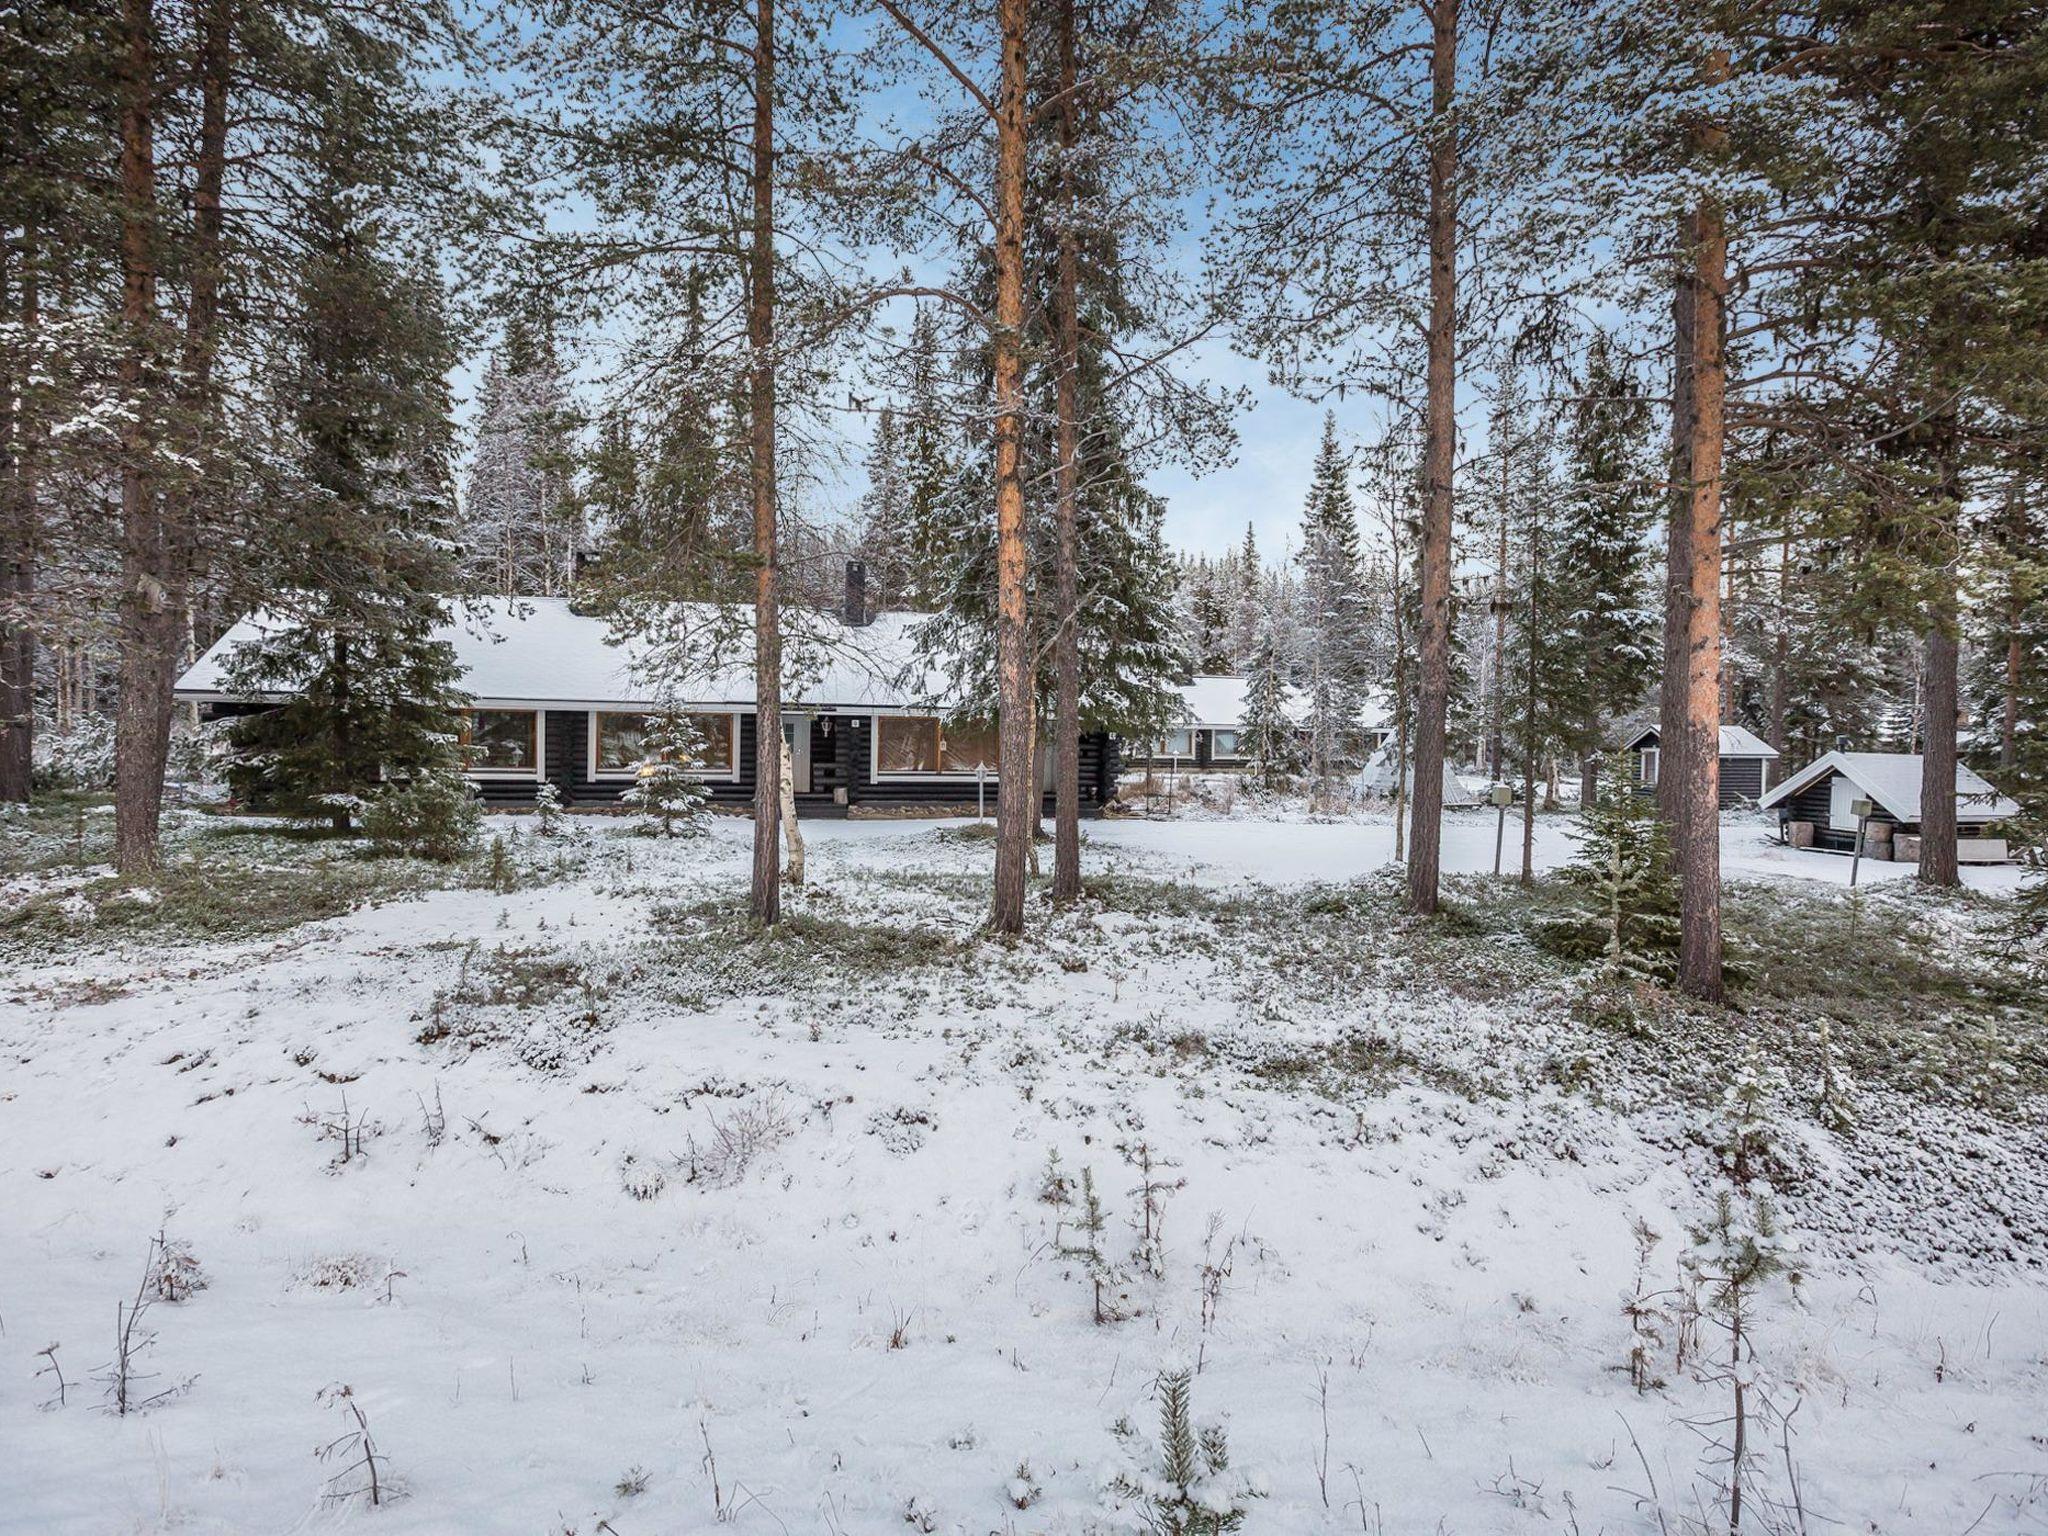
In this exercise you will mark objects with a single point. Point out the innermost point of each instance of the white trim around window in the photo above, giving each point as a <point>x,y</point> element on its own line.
<point>917,775</point>
<point>597,775</point>
<point>539,770</point>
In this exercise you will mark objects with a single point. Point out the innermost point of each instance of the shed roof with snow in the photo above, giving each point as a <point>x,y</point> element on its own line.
<point>1215,702</point>
<point>1735,742</point>
<point>1892,779</point>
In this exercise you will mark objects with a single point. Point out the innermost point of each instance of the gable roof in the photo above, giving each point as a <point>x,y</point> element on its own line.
<point>538,651</point>
<point>1892,779</point>
<point>1735,742</point>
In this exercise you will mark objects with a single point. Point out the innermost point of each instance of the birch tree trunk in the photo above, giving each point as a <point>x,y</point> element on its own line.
<point>765,896</point>
<point>1439,450</point>
<point>1016,783</point>
<point>790,828</point>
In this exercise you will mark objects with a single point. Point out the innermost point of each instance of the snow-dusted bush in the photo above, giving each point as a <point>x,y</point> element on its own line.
<point>81,757</point>
<point>435,816</point>
<point>1630,922</point>
<point>1745,1126</point>
<point>1182,1482</point>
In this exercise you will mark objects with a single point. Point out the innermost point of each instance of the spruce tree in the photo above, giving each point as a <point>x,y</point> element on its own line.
<point>667,787</point>
<point>1334,628</point>
<point>360,555</point>
<point>523,514</point>
<point>1267,738</point>
<point>1624,865</point>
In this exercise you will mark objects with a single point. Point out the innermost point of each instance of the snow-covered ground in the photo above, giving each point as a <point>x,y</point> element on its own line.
<point>613,1219</point>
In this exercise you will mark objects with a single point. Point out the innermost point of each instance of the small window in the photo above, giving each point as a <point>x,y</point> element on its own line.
<point>1176,744</point>
<point>1647,773</point>
<point>1223,743</point>
<point>622,742</point>
<point>501,741</point>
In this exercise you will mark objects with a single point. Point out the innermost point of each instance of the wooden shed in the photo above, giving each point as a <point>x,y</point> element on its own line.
<point>1822,796</point>
<point>1746,760</point>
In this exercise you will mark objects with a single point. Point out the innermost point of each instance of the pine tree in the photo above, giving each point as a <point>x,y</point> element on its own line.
<point>667,787</point>
<point>360,551</point>
<point>1335,627</point>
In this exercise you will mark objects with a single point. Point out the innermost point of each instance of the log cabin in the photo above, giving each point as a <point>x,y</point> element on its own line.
<point>553,699</point>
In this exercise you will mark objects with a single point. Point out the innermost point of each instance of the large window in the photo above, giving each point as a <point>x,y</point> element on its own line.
<point>1648,760</point>
<point>1175,744</point>
<point>923,744</point>
<point>1223,744</point>
<point>620,742</point>
<point>501,741</point>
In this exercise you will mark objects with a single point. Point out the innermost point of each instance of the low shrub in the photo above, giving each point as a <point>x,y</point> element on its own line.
<point>435,816</point>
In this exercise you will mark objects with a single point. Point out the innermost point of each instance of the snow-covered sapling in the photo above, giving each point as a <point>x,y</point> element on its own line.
<point>667,787</point>
<point>1216,1268</point>
<point>49,1352</point>
<point>1746,1133</point>
<point>547,809</point>
<point>1182,1483</point>
<point>1054,1185</point>
<point>1740,1249</point>
<point>362,1466</point>
<point>1624,862</point>
<point>1090,1226</point>
<point>1835,1109</point>
<point>1022,1489</point>
<point>1645,1314</point>
<point>178,1273</point>
<point>124,1377</point>
<point>1151,1190</point>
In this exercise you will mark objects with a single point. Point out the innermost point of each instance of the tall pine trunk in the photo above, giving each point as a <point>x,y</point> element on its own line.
<point>1016,783</point>
<point>149,621</point>
<point>1677,548</point>
<point>1697,833</point>
<point>765,901</point>
<point>1066,856</point>
<point>1439,450</point>
<point>18,558</point>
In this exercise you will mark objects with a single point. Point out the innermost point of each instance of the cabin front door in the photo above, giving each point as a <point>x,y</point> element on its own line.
<point>1842,797</point>
<point>796,741</point>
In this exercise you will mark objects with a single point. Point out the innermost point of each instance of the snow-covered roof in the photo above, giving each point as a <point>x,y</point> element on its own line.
<point>1213,701</point>
<point>1892,779</point>
<point>537,651</point>
<point>1735,742</point>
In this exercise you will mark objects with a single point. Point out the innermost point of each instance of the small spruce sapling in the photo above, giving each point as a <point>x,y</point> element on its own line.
<point>1103,1276</point>
<point>1151,1190</point>
<point>1624,864</point>
<point>1835,1109</point>
<point>1646,1316</point>
<point>550,817</point>
<point>668,788</point>
<point>1740,1249</point>
<point>1182,1483</point>
<point>363,1468</point>
<point>1746,1132</point>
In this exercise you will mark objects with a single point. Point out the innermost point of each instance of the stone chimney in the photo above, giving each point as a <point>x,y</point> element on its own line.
<point>857,593</point>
